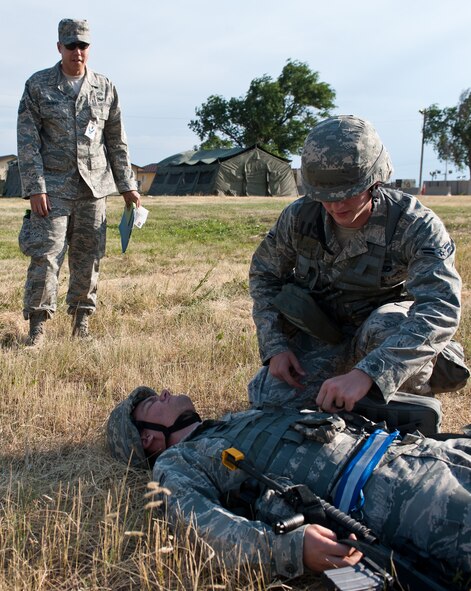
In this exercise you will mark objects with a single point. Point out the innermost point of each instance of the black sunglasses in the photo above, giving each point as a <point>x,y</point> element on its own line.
<point>81,45</point>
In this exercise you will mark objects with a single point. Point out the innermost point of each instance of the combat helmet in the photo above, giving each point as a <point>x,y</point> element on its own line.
<point>342,157</point>
<point>123,436</point>
<point>124,440</point>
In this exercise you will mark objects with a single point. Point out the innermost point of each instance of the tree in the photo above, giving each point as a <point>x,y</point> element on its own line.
<point>449,131</point>
<point>275,114</point>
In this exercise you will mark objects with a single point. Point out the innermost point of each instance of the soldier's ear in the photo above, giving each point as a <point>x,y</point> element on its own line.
<point>152,441</point>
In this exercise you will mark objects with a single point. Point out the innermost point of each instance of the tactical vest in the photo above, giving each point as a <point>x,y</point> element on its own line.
<point>270,442</point>
<point>357,290</point>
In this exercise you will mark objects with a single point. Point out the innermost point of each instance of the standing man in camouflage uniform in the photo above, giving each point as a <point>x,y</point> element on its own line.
<point>355,290</point>
<point>417,497</point>
<point>72,153</point>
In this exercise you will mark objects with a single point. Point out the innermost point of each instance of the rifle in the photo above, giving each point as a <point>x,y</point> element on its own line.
<point>381,568</point>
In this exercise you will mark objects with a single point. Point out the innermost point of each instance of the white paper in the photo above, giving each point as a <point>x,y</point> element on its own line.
<point>140,216</point>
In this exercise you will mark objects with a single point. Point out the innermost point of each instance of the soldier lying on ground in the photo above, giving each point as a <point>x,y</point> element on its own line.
<point>417,496</point>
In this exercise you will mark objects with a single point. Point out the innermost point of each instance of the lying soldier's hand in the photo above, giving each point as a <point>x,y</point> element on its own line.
<point>321,551</point>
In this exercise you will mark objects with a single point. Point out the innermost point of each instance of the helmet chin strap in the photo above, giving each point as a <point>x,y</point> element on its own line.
<point>184,420</point>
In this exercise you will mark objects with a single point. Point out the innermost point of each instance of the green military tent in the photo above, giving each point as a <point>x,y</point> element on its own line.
<point>234,171</point>
<point>12,186</point>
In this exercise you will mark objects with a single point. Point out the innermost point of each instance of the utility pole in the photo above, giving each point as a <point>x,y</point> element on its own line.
<point>424,113</point>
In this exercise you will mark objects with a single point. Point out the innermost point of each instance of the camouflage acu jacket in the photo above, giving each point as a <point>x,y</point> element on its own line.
<point>415,263</point>
<point>53,148</point>
<point>418,496</point>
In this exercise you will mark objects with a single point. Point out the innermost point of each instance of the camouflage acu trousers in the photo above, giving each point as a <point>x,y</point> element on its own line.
<point>321,360</point>
<point>77,225</point>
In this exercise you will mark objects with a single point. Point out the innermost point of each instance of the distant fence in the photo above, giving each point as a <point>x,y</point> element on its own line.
<point>447,187</point>
<point>431,187</point>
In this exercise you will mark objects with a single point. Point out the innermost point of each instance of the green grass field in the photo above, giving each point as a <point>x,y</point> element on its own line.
<point>173,311</point>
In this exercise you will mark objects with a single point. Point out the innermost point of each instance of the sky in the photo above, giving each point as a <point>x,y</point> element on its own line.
<point>385,59</point>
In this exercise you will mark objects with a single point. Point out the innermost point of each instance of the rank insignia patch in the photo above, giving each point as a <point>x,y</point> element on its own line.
<point>442,252</point>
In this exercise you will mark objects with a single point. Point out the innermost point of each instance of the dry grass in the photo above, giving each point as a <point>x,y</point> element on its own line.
<point>173,311</point>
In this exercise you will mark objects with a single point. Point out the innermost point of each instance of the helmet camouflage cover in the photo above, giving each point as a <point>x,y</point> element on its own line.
<point>342,157</point>
<point>122,434</point>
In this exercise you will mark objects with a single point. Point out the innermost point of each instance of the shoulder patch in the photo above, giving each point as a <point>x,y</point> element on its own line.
<point>442,252</point>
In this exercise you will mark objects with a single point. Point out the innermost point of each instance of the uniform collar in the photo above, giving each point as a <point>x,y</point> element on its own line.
<point>57,78</point>
<point>373,232</point>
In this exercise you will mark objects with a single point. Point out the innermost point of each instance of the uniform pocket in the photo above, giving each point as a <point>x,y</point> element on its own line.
<point>55,162</point>
<point>100,113</point>
<point>25,233</point>
<point>54,110</point>
<point>102,245</point>
<point>30,238</point>
<point>98,161</point>
<point>321,427</point>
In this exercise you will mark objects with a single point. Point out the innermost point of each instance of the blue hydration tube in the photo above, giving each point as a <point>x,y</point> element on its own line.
<point>349,494</point>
